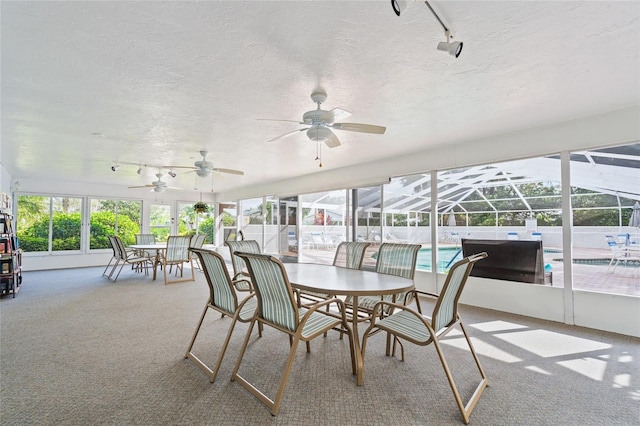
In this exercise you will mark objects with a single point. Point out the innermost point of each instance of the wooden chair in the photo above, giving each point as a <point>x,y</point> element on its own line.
<point>410,325</point>
<point>177,254</point>
<point>277,308</point>
<point>222,298</point>
<point>241,278</point>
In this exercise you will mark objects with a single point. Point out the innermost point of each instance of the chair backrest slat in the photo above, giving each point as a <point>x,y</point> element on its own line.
<point>350,254</point>
<point>245,246</point>
<point>276,302</point>
<point>221,292</point>
<point>397,259</point>
<point>177,248</point>
<point>446,309</point>
<point>197,240</point>
<point>145,239</point>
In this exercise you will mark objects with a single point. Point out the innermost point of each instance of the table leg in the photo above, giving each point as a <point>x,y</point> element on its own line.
<point>356,342</point>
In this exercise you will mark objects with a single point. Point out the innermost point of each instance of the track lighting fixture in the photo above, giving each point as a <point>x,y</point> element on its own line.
<point>115,167</point>
<point>139,170</point>
<point>172,174</point>
<point>454,48</point>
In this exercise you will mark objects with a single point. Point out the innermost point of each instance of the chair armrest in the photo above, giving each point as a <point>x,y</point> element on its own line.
<point>426,293</point>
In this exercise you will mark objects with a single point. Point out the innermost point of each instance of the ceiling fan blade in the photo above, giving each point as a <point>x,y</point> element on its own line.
<point>231,171</point>
<point>275,119</point>
<point>359,127</point>
<point>179,167</point>
<point>332,141</point>
<point>141,186</point>
<point>288,134</point>
<point>335,114</point>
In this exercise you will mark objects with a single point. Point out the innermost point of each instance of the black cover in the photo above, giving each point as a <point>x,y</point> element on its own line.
<point>509,260</point>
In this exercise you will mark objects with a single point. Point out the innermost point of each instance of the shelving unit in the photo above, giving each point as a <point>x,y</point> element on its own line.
<point>10,258</point>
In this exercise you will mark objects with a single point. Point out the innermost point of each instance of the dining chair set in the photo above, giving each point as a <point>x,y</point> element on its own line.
<point>272,301</point>
<point>174,253</point>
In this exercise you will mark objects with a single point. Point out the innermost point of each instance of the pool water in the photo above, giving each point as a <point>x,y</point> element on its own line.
<point>447,256</point>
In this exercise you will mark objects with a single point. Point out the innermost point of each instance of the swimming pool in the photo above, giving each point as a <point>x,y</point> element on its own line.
<point>447,256</point>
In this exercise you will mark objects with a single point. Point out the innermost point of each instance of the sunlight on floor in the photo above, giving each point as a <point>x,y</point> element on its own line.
<point>548,344</point>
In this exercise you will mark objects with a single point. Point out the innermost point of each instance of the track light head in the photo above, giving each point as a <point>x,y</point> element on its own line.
<point>114,167</point>
<point>399,6</point>
<point>172,173</point>
<point>139,170</point>
<point>454,48</point>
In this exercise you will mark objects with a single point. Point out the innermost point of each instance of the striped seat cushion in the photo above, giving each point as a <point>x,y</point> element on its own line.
<point>406,324</point>
<point>317,323</point>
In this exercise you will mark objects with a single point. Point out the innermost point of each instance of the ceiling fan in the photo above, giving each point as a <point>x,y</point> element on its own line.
<point>320,123</point>
<point>203,168</point>
<point>157,185</point>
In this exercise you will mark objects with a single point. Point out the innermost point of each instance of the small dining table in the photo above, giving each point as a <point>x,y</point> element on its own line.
<point>158,248</point>
<point>341,281</point>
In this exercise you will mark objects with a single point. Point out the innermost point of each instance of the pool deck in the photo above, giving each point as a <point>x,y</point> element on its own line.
<point>586,276</point>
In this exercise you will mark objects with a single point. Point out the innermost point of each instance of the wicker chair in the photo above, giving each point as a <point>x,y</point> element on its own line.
<point>222,298</point>
<point>410,325</point>
<point>277,308</point>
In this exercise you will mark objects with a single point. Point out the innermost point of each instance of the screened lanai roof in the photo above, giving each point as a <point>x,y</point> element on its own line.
<point>610,175</point>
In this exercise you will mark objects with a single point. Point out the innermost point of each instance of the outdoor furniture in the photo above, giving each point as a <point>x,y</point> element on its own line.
<point>177,254</point>
<point>241,278</point>
<point>126,257</point>
<point>621,254</point>
<point>348,255</point>
<point>410,325</point>
<point>197,241</point>
<point>354,283</point>
<point>146,239</point>
<point>115,257</point>
<point>277,308</point>
<point>155,260</point>
<point>392,259</point>
<point>222,298</point>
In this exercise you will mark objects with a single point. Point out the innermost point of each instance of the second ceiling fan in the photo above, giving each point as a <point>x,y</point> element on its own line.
<point>204,168</point>
<point>320,123</point>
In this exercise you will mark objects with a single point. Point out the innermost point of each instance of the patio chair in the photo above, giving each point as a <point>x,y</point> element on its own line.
<point>128,257</point>
<point>197,241</point>
<point>146,239</point>
<point>348,255</point>
<point>222,298</point>
<point>393,259</point>
<point>241,278</point>
<point>410,325</point>
<point>115,257</point>
<point>277,308</point>
<point>620,254</point>
<point>177,254</point>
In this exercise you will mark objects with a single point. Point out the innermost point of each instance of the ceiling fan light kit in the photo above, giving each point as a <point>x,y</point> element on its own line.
<point>321,123</point>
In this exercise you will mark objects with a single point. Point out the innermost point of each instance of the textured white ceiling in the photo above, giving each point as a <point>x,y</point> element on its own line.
<point>161,81</point>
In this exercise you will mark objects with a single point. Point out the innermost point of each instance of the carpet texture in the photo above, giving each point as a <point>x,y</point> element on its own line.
<point>76,349</point>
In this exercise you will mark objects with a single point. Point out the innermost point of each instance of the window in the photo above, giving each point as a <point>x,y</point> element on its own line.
<point>160,221</point>
<point>113,217</point>
<point>49,224</point>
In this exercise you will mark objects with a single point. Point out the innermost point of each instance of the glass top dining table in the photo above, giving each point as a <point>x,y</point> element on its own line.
<point>340,281</point>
